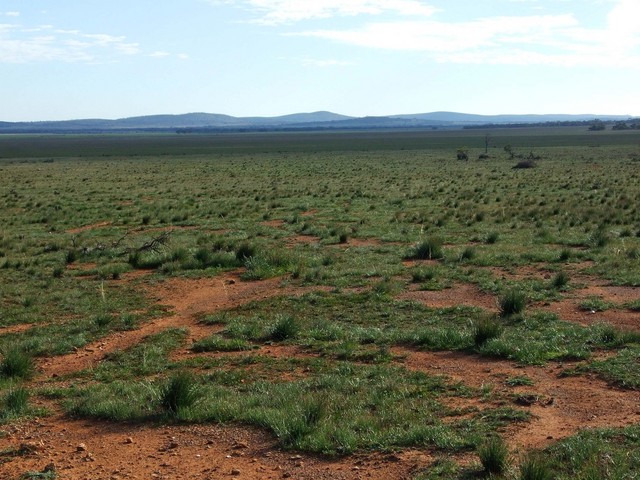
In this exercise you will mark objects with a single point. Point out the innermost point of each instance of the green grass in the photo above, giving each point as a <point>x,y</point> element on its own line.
<point>239,202</point>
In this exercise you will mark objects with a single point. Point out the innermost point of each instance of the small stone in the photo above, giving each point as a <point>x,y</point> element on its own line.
<point>128,440</point>
<point>81,447</point>
<point>240,445</point>
<point>235,471</point>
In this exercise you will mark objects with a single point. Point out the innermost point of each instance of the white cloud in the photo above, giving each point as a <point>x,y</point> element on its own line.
<point>20,44</point>
<point>12,14</point>
<point>275,12</point>
<point>509,40</point>
<point>159,54</point>
<point>318,63</point>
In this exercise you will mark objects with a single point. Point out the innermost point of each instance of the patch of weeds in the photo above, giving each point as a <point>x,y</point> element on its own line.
<point>595,304</point>
<point>633,306</point>
<point>609,454</point>
<point>518,381</point>
<point>621,370</point>
<point>48,473</point>
<point>494,456</point>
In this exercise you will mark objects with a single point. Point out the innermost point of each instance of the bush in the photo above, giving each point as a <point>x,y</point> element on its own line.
<point>429,249</point>
<point>494,456</point>
<point>512,303</point>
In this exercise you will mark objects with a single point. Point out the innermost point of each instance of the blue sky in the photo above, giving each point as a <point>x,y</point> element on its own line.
<point>65,59</point>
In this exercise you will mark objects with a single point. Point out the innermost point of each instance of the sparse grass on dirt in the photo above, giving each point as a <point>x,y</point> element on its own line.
<point>375,248</point>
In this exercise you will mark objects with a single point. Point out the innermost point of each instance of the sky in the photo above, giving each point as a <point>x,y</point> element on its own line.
<point>69,59</point>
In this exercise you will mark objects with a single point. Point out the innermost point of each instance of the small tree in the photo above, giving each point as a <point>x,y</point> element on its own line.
<point>597,125</point>
<point>462,154</point>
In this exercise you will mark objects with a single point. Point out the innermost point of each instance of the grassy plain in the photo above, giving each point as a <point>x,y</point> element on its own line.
<point>381,248</point>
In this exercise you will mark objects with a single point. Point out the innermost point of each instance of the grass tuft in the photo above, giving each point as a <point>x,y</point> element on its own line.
<point>512,303</point>
<point>494,456</point>
<point>16,363</point>
<point>179,393</point>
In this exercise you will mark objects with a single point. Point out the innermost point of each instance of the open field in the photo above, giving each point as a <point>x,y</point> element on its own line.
<point>314,305</point>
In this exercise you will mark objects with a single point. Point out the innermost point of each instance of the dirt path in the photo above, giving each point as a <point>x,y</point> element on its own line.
<point>113,451</point>
<point>562,407</point>
<point>186,298</point>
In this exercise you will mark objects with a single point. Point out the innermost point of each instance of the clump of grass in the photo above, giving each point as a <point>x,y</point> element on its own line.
<point>468,253</point>
<point>428,249</point>
<point>15,402</point>
<point>419,275</point>
<point>492,237</point>
<point>179,393</point>
<point>564,255</point>
<point>16,363</point>
<point>245,251</point>
<point>486,329</point>
<point>595,304</point>
<point>518,381</point>
<point>494,456</point>
<point>512,302</point>
<point>535,467</point>
<point>599,238</point>
<point>560,280</point>
<point>286,327</point>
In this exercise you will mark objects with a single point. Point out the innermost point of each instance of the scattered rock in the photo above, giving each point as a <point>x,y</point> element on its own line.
<point>81,447</point>
<point>235,472</point>
<point>128,440</point>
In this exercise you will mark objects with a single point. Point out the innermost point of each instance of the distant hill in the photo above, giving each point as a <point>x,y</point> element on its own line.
<point>196,122</point>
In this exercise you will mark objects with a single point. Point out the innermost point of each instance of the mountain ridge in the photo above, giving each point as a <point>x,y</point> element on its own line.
<point>313,120</point>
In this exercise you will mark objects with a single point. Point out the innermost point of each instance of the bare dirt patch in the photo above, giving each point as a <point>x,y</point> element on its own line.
<point>459,294</point>
<point>23,327</point>
<point>93,226</point>
<point>82,450</point>
<point>566,405</point>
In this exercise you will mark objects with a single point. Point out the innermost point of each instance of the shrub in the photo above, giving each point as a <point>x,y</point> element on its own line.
<point>512,302</point>
<point>428,249</point>
<point>179,393</point>
<point>419,275</point>
<point>528,163</point>
<point>16,363</point>
<point>494,456</point>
